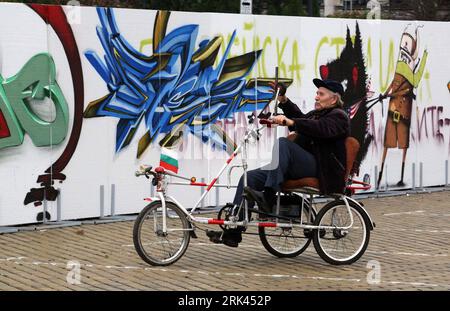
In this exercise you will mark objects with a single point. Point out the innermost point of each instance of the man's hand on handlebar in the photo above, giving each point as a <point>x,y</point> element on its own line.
<point>282,120</point>
<point>282,91</point>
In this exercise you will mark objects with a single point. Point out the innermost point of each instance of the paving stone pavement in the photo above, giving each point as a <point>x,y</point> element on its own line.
<point>410,242</point>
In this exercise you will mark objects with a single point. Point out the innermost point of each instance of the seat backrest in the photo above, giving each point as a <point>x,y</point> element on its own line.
<point>352,148</point>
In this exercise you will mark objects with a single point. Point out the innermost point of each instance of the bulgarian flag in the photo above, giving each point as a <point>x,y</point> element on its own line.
<point>169,160</point>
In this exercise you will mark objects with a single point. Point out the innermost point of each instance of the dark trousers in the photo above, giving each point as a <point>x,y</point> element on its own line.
<point>289,161</point>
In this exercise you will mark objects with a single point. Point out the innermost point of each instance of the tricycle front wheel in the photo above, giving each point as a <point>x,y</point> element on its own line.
<point>155,245</point>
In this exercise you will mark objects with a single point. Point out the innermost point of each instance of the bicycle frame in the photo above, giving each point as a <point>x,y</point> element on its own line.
<point>161,175</point>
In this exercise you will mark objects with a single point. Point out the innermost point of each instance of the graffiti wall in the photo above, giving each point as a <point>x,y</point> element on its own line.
<point>87,95</point>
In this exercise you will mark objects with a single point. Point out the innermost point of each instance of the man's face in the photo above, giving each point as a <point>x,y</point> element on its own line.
<point>324,98</point>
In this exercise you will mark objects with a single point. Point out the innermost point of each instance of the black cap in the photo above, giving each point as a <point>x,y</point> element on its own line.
<point>331,85</point>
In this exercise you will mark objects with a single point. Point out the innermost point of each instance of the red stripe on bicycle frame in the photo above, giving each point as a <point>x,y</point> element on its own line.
<point>215,221</point>
<point>198,184</point>
<point>267,224</point>
<point>148,199</point>
<point>211,184</point>
<point>358,187</point>
<point>231,158</point>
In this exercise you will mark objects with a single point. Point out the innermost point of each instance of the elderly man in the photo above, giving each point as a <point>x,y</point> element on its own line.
<point>317,151</point>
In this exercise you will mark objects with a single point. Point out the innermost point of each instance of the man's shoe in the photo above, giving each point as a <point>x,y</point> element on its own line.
<point>229,237</point>
<point>259,198</point>
<point>232,237</point>
<point>214,236</point>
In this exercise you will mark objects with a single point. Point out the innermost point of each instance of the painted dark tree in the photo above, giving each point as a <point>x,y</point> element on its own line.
<point>349,68</point>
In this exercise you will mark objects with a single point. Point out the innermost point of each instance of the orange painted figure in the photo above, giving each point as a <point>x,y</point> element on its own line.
<point>408,73</point>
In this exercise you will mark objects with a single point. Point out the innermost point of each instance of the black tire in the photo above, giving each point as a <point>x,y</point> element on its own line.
<point>143,232</point>
<point>275,239</point>
<point>354,241</point>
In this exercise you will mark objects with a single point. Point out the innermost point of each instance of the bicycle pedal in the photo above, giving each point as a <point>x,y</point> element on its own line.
<point>310,232</point>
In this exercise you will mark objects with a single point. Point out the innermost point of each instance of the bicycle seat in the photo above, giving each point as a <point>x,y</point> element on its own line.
<point>307,184</point>
<point>311,184</point>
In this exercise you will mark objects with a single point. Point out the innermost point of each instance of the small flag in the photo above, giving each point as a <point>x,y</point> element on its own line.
<point>354,109</point>
<point>169,160</point>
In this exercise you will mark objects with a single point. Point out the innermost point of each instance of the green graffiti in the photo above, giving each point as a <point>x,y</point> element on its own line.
<point>426,76</point>
<point>224,46</point>
<point>384,85</point>
<point>244,46</point>
<point>295,68</point>
<point>280,52</point>
<point>144,43</point>
<point>369,53</point>
<point>240,42</point>
<point>337,41</point>
<point>256,46</point>
<point>35,81</point>
<point>236,43</point>
<point>267,41</point>
<point>248,26</point>
<point>427,79</point>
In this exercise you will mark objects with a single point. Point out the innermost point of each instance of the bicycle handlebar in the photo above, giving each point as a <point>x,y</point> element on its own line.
<point>144,171</point>
<point>147,170</point>
<point>269,122</point>
<point>265,122</point>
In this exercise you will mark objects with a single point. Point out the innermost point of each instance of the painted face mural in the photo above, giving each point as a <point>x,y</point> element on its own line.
<point>408,74</point>
<point>176,88</point>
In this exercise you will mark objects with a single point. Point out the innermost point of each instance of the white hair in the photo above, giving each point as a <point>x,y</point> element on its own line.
<point>339,102</point>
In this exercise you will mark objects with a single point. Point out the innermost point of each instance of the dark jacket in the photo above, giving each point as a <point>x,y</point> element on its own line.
<point>323,133</point>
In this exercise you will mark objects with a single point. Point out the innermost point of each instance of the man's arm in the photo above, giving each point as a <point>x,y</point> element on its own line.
<point>290,109</point>
<point>332,125</point>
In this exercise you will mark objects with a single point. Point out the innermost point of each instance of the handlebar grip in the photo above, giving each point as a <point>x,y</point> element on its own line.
<point>143,171</point>
<point>284,122</point>
<point>265,121</point>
